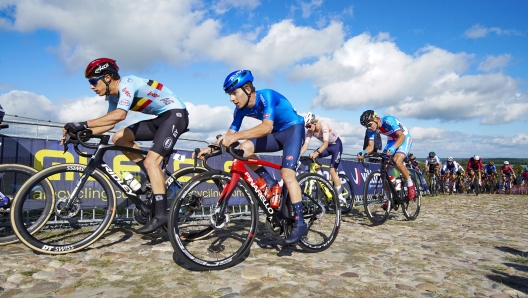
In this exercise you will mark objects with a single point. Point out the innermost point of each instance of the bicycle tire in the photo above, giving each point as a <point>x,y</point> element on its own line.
<point>173,184</point>
<point>411,208</point>
<point>379,206</point>
<point>12,177</point>
<point>67,232</point>
<point>434,186</point>
<point>321,213</point>
<point>192,213</point>
<point>348,194</point>
<point>476,185</point>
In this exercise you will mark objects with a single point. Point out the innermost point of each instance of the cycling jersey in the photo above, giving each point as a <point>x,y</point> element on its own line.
<point>145,96</point>
<point>390,126</point>
<point>490,169</point>
<point>452,167</point>
<point>269,105</point>
<point>506,170</point>
<point>288,127</point>
<point>324,134</point>
<point>474,164</point>
<point>433,161</point>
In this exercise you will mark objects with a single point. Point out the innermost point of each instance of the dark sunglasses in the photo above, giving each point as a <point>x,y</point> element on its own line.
<point>308,125</point>
<point>370,124</point>
<point>93,81</point>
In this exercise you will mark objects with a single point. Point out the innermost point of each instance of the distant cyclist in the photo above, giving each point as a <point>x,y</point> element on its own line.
<point>281,129</point>
<point>490,168</point>
<point>475,164</point>
<point>331,146</point>
<point>506,171</point>
<point>450,169</point>
<point>399,142</point>
<point>131,93</point>
<point>433,164</point>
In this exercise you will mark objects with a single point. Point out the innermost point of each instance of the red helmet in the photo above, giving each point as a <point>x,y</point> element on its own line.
<point>101,66</point>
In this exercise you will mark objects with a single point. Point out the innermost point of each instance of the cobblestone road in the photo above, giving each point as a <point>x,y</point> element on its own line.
<point>460,246</point>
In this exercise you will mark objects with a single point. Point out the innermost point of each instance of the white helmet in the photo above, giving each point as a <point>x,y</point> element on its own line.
<point>476,157</point>
<point>308,118</point>
<point>506,162</point>
<point>450,159</point>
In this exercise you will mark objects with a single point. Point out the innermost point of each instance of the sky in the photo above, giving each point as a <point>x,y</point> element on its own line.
<point>453,72</point>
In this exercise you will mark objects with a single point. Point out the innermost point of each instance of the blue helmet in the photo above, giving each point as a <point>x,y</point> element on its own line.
<point>237,79</point>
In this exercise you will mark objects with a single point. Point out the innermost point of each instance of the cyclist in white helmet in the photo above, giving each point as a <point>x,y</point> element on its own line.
<point>475,164</point>
<point>331,146</point>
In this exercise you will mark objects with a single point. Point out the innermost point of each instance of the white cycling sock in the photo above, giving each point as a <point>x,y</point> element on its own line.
<point>409,182</point>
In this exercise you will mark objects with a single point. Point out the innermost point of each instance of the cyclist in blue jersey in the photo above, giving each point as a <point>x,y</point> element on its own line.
<point>450,169</point>
<point>281,129</point>
<point>490,168</point>
<point>399,142</point>
<point>131,93</point>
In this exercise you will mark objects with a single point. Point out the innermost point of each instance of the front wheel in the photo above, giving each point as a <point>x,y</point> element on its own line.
<point>411,208</point>
<point>377,198</point>
<point>210,226</point>
<point>322,212</point>
<point>71,228</point>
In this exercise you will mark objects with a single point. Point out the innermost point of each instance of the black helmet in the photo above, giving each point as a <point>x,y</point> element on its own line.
<point>366,116</point>
<point>432,154</point>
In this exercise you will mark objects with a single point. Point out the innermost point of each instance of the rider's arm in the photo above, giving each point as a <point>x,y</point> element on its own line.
<point>399,140</point>
<point>306,142</point>
<point>263,129</point>
<point>107,122</point>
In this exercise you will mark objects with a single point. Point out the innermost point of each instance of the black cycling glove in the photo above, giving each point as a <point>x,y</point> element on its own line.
<point>75,127</point>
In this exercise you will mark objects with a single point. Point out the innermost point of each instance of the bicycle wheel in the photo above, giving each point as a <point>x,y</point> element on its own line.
<point>211,234</point>
<point>476,185</point>
<point>68,230</point>
<point>348,193</point>
<point>173,184</point>
<point>411,208</point>
<point>376,198</point>
<point>322,213</point>
<point>12,176</point>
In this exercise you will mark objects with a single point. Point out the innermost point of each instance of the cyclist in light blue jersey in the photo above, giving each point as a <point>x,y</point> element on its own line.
<point>399,142</point>
<point>281,129</point>
<point>131,93</point>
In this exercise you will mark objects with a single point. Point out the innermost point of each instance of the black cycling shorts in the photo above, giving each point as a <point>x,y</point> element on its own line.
<point>163,130</point>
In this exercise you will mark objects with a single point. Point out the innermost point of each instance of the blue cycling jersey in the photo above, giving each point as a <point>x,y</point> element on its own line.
<point>145,96</point>
<point>269,105</point>
<point>389,127</point>
<point>490,169</point>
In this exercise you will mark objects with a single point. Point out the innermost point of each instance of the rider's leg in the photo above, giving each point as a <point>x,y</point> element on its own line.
<point>299,226</point>
<point>125,137</point>
<point>337,184</point>
<point>411,188</point>
<point>249,151</point>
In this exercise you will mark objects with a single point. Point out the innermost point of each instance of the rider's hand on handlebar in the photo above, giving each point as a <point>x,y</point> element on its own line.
<point>228,139</point>
<point>203,151</point>
<point>361,154</point>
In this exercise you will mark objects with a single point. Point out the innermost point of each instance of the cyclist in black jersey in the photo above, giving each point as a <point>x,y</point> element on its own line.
<point>131,93</point>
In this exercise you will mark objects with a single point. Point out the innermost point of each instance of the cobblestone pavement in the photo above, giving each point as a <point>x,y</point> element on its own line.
<point>460,246</point>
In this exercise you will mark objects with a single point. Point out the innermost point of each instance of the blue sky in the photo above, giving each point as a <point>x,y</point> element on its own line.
<point>452,71</point>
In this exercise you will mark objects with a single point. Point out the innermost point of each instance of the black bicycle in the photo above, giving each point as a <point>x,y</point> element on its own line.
<point>380,195</point>
<point>82,203</point>
<point>225,207</point>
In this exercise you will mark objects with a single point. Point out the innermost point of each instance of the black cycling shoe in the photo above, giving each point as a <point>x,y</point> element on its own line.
<point>296,234</point>
<point>152,225</point>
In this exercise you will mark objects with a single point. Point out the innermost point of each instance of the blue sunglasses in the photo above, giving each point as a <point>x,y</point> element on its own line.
<point>93,81</point>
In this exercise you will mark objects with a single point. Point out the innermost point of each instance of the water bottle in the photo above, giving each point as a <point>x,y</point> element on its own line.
<point>397,183</point>
<point>276,190</point>
<point>264,188</point>
<point>392,180</point>
<point>131,181</point>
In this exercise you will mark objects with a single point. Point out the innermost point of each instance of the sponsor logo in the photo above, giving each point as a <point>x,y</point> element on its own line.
<point>178,114</point>
<point>262,100</point>
<point>167,101</point>
<point>101,68</point>
<point>174,131</point>
<point>124,102</point>
<point>266,115</point>
<point>152,94</point>
<point>234,75</point>
<point>259,193</point>
<point>125,90</point>
<point>129,80</point>
<point>167,143</point>
<point>289,157</point>
<point>75,168</point>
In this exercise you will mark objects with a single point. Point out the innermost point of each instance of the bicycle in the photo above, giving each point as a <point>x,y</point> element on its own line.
<point>383,194</point>
<point>433,182</point>
<point>347,189</point>
<point>233,201</point>
<point>474,182</point>
<point>507,183</point>
<point>82,199</point>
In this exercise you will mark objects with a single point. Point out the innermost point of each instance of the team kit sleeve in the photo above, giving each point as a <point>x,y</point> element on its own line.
<point>127,90</point>
<point>326,131</point>
<point>237,120</point>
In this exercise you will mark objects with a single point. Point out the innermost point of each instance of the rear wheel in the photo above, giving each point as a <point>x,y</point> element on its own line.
<point>347,191</point>
<point>321,212</point>
<point>207,235</point>
<point>411,208</point>
<point>376,198</point>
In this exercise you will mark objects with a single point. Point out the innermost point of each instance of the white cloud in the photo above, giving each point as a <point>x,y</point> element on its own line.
<point>494,62</point>
<point>223,6</point>
<point>308,7</point>
<point>431,84</point>
<point>478,31</point>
